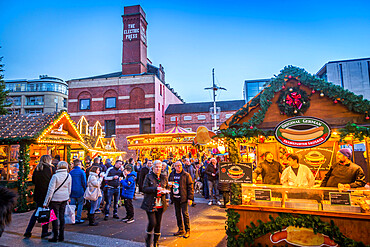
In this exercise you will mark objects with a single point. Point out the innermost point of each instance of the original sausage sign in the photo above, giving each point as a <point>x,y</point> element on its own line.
<point>302,132</point>
<point>235,173</point>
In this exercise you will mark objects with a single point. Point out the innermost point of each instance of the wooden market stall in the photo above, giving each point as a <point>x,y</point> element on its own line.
<point>25,138</point>
<point>175,143</point>
<point>294,94</point>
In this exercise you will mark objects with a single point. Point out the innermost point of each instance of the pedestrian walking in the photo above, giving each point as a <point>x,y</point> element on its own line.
<point>144,171</point>
<point>182,194</point>
<point>128,191</point>
<point>189,168</point>
<point>154,203</point>
<point>78,188</point>
<point>56,198</point>
<point>204,179</point>
<point>212,177</point>
<point>112,184</point>
<point>93,185</point>
<point>40,178</point>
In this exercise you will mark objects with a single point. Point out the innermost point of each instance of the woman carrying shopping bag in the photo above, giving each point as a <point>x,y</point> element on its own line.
<point>93,193</point>
<point>41,178</point>
<point>57,197</point>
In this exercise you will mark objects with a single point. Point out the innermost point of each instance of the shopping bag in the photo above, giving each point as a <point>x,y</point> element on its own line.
<point>43,215</point>
<point>69,215</point>
<point>51,218</point>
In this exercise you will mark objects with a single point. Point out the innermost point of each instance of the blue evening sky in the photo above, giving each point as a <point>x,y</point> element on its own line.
<point>242,40</point>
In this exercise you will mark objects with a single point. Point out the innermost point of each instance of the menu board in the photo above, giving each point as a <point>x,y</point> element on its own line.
<point>262,195</point>
<point>235,173</point>
<point>340,198</point>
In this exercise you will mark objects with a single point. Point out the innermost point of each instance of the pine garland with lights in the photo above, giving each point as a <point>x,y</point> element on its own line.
<point>355,103</point>
<point>69,154</point>
<point>24,171</point>
<point>358,132</point>
<point>3,92</point>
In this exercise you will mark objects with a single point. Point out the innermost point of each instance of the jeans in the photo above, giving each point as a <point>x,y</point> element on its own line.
<point>155,219</point>
<point>112,193</point>
<point>32,223</point>
<point>205,187</point>
<point>182,208</point>
<point>129,208</point>
<point>79,202</point>
<point>59,210</point>
<point>95,205</point>
<point>212,185</point>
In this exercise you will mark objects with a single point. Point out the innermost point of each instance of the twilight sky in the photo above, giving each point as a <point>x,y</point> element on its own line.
<point>242,40</point>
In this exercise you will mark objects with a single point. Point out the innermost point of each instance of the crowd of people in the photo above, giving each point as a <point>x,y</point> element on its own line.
<point>98,186</point>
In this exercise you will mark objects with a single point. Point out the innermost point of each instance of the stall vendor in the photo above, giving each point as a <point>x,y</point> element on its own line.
<point>297,174</point>
<point>344,172</point>
<point>270,170</point>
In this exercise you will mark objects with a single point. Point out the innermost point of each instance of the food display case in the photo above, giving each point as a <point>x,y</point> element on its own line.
<point>301,212</point>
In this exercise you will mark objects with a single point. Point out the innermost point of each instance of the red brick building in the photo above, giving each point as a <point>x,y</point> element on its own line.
<point>131,101</point>
<point>192,115</point>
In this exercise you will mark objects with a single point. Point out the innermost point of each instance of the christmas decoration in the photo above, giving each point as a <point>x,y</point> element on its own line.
<point>291,103</point>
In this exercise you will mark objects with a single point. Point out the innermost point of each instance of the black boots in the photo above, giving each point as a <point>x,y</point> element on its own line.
<point>156,238</point>
<point>55,237</point>
<point>92,220</point>
<point>148,240</point>
<point>61,236</point>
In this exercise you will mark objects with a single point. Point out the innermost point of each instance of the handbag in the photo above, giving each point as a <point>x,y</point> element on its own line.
<point>70,215</point>
<point>91,193</point>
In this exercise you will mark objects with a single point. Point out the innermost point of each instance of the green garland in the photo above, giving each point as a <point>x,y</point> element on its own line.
<point>291,109</point>
<point>353,102</point>
<point>358,132</point>
<point>252,232</point>
<point>69,155</point>
<point>23,172</point>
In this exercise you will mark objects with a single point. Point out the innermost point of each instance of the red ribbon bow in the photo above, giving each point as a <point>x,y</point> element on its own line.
<point>294,99</point>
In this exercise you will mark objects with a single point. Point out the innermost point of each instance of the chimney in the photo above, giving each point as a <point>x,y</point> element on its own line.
<point>134,52</point>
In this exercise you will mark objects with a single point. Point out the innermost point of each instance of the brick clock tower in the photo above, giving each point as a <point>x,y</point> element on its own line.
<point>134,54</point>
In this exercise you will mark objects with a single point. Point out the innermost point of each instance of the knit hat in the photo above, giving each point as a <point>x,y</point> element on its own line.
<point>346,152</point>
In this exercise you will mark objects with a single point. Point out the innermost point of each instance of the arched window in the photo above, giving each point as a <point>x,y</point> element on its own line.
<point>137,98</point>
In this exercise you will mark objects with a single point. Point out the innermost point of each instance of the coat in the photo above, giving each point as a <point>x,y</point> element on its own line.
<point>128,186</point>
<point>185,186</point>
<point>78,182</point>
<point>211,169</point>
<point>94,181</point>
<point>63,193</point>
<point>350,173</point>
<point>143,172</point>
<point>304,177</point>
<point>41,181</point>
<point>150,192</point>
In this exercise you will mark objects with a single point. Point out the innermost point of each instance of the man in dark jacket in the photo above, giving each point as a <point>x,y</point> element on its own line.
<point>144,171</point>
<point>78,188</point>
<point>344,172</point>
<point>112,184</point>
<point>212,177</point>
<point>189,168</point>
<point>270,170</point>
<point>182,194</point>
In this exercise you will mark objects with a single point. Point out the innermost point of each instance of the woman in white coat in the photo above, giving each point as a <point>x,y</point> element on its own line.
<point>56,198</point>
<point>93,185</point>
<point>296,174</point>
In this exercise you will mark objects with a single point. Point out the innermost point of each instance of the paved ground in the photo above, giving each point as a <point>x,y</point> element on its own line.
<point>207,229</point>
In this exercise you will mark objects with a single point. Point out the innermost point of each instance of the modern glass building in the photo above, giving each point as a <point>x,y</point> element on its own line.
<point>46,94</point>
<point>253,87</point>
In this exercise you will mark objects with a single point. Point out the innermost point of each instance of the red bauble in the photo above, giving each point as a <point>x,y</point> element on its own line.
<point>251,127</point>
<point>299,83</point>
<point>335,101</point>
<point>367,118</point>
<point>290,77</point>
<point>313,91</point>
<point>283,87</point>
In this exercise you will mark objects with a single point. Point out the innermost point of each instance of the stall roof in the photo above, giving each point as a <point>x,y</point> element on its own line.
<point>24,126</point>
<point>330,102</point>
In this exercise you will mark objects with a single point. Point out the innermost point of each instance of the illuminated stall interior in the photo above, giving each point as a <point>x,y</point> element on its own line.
<point>45,133</point>
<point>175,143</point>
